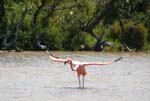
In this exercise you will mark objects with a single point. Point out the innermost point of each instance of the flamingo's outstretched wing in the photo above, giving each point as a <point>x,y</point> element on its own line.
<point>56,59</point>
<point>101,63</point>
<point>97,63</point>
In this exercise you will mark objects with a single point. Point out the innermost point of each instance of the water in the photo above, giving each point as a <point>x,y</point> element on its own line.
<point>32,76</point>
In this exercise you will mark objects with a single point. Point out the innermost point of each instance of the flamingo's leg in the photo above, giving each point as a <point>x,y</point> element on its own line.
<point>83,81</point>
<point>79,81</point>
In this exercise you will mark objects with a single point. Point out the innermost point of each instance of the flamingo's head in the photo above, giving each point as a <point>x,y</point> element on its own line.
<point>68,60</point>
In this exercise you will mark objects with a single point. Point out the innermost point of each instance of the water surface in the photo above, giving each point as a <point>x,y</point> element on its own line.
<point>32,76</point>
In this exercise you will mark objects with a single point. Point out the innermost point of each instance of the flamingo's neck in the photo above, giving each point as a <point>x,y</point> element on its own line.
<point>71,65</point>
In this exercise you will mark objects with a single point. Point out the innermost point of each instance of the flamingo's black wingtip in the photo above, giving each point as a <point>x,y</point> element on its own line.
<point>49,53</point>
<point>118,59</point>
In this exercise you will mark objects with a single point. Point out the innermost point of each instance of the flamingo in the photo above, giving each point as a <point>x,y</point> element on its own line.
<point>78,66</point>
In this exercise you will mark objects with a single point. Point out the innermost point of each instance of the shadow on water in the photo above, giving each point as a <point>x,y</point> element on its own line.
<point>79,88</point>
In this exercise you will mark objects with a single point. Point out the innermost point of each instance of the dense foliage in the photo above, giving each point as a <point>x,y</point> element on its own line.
<point>75,24</point>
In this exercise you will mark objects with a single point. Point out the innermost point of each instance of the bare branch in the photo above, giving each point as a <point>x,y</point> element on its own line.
<point>37,11</point>
<point>98,17</point>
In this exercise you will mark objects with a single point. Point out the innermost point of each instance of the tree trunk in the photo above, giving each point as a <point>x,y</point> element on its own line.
<point>2,18</point>
<point>37,12</point>
<point>34,22</point>
<point>2,21</point>
<point>50,12</point>
<point>123,45</point>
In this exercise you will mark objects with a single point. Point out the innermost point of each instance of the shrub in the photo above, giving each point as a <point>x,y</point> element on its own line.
<point>135,34</point>
<point>115,31</point>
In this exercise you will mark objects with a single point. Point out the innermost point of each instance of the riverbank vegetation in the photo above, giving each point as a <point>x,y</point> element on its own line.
<point>100,25</point>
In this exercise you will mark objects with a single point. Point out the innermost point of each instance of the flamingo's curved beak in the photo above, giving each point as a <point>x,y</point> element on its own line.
<point>65,62</point>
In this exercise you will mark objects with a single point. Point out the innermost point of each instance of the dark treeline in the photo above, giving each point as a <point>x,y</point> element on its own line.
<point>118,25</point>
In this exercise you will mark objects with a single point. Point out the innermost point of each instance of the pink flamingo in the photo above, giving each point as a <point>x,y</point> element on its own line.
<point>78,66</point>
